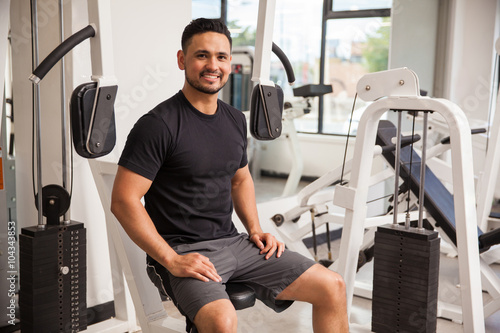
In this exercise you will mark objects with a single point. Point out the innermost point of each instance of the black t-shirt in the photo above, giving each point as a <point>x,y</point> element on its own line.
<point>191,158</point>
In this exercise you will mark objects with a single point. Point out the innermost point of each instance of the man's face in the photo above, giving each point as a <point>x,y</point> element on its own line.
<point>206,62</point>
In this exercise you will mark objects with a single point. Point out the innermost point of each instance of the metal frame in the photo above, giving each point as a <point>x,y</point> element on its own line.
<point>353,198</point>
<point>263,43</point>
<point>128,262</point>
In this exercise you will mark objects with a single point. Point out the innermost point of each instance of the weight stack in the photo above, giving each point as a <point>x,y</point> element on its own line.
<point>405,280</point>
<point>53,274</point>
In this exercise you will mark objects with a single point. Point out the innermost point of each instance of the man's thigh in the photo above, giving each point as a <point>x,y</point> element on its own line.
<point>192,294</point>
<point>268,277</point>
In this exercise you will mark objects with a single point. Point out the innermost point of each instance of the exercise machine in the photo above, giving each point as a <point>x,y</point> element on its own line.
<point>53,253</point>
<point>401,88</point>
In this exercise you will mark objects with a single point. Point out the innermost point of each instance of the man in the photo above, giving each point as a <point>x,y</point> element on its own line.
<point>187,158</point>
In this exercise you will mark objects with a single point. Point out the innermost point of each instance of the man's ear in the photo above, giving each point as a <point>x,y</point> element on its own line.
<point>180,60</point>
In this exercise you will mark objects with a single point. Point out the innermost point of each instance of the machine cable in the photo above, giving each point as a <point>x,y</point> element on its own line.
<point>341,181</point>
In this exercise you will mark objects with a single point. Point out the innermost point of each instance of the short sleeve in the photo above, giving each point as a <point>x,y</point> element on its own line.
<point>147,146</point>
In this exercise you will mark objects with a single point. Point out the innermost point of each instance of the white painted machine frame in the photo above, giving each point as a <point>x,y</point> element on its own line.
<point>354,196</point>
<point>128,261</point>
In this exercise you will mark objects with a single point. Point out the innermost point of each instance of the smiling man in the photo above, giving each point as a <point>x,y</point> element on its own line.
<point>187,158</point>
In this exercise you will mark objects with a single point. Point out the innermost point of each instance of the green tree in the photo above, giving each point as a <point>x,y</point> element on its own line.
<point>244,36</point>
<point>376,52</point>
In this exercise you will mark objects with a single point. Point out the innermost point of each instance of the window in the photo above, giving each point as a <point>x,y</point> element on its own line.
<point>353,47</point>
<point>335,46</point>
<point>206,8</point>
<point>350,5</point>
<point>297,31</point>
<point>355,41</point>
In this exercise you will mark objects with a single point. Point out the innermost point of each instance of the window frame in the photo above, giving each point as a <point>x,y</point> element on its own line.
<point>329,14</point>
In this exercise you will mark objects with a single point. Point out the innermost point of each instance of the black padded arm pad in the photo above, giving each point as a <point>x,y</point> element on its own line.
<point>266,111</point>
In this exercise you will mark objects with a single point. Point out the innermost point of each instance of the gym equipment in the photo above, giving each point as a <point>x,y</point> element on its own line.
<point>93,127</point>
<point>238,88</point>
<point>238,92</point>
<point>92,104</point>
<point>53,286</point>
<point>406,261</point>
<point>128,260</point>
<point>53,254</point>
<point>402,91</point>
<point>405,280</point>
<point>441,214</point>
<point>266,105</point>
<point>52,295</point>
<point>438,200</point>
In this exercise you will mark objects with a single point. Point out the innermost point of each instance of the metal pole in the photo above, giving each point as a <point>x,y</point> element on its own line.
<point>422,175</point>
<point>64,156</point>
<point>397,166</point>
<point>37,114</point>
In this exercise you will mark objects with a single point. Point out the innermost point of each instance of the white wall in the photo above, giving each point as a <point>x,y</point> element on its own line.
<point>413,38</point>
<point>474,30</point>
<point>146,37</point>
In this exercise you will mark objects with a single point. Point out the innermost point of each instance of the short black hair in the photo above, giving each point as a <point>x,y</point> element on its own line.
<point>202,25</point>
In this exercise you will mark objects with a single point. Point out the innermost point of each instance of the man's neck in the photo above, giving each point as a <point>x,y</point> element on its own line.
<point>205,103</point>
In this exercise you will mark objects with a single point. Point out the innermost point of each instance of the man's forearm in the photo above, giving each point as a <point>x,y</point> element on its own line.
<point>139,227</point>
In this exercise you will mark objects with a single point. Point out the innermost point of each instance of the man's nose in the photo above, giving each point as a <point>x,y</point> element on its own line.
<point>212,63</point>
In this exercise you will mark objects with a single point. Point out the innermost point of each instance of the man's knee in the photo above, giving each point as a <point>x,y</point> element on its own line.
<point>217,316</point>
<point>331,286</point>
<point>335,283</point>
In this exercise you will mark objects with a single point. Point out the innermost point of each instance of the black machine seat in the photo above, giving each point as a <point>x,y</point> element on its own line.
<point>241,295</point>
<point>438,201</point>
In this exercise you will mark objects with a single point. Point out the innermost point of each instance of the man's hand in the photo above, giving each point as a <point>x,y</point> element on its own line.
<point>267,243</point>
<point>193,265</point>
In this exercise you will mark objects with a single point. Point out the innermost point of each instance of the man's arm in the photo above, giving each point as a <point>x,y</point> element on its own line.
<point>128,190</point>
<point>243,195</point>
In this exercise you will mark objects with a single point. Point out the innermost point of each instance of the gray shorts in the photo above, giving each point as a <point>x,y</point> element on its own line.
<point>236,259</point>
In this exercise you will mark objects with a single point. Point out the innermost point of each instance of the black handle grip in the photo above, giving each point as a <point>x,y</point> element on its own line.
<point>286,63</point>
<point>405,141</point>
<point>59,52</point>
<point>473,131</point>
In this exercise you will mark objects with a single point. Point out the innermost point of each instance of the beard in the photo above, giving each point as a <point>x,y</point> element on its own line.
<point>206,89</point>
